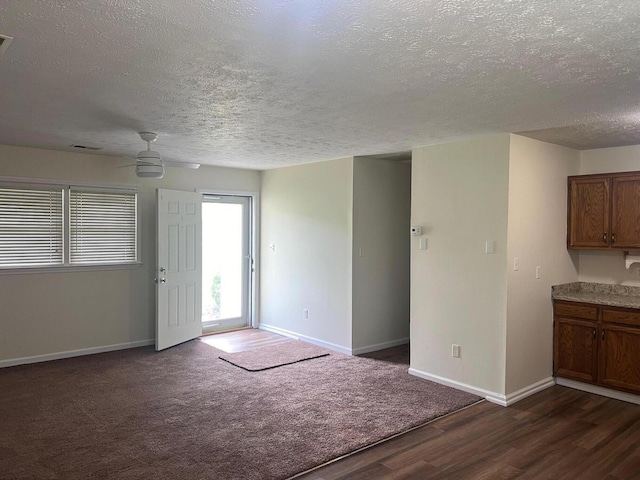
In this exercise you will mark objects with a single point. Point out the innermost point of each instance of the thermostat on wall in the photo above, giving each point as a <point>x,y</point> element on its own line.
<point>416,230</point>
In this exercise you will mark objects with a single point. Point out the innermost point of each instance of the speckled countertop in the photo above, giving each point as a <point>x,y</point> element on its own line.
<point>600,293</point>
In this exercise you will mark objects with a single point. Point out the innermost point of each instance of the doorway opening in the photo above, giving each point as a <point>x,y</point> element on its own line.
<point>227,263</point>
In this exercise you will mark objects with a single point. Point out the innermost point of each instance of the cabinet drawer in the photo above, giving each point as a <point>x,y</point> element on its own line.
<point>576,310</point>
<point>624,316</point>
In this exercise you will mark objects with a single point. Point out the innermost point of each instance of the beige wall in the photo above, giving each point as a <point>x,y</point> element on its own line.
<point>381,215</point>
<point>46,313</point>
<point>609,267</point>
<point>306,213</point>
<point>458,292</point>
<point>537,227</point>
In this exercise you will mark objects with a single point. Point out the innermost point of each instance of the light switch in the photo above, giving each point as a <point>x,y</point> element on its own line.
<point>490,247</point>
<point>423,244</point>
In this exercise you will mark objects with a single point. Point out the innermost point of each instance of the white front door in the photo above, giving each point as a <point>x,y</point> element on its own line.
<point>179,267</point>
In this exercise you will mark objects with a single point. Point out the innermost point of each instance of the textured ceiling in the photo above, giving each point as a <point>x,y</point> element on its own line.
<point>262,84</point>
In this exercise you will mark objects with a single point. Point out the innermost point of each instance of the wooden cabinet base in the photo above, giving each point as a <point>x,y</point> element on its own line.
<point>600,347</point>
<point>598,390</point>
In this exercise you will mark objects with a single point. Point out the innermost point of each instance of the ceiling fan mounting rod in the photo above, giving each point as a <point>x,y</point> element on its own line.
<point>148,137</point>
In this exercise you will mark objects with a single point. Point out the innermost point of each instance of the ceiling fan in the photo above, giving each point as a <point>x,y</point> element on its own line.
<point>149,164</point>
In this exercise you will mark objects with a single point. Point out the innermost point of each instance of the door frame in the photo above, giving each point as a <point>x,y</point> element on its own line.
<point>254,242</point>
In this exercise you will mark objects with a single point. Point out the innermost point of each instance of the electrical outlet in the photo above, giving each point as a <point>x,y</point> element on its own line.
<point>538,272</point>
<point>305,313</point>
<point>455,350</point>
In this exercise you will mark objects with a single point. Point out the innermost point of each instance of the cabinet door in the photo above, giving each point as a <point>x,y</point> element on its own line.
<point>620,358</point>
<point>625,214</point>
<point>575,349</point>
<point>588,213</point>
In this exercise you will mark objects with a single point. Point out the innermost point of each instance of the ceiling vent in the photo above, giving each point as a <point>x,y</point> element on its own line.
<point>86,147</point>
<point>4,43</point>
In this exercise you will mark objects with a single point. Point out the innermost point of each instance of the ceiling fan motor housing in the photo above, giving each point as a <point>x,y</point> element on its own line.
<point>149,164</point>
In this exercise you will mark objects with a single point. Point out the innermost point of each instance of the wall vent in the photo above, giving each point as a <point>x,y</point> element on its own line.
<point>4,43</point>
<point>86,147</point>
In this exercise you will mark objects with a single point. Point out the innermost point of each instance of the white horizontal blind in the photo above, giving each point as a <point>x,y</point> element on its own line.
<point>30,227</point>
<point>102,227</point>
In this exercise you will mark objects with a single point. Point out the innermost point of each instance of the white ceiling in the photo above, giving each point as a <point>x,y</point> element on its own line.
<point>263,84</point>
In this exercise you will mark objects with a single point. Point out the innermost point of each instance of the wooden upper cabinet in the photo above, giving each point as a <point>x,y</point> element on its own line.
<point>625,212</point>
<point>604,212</point>
<point>589,209</point>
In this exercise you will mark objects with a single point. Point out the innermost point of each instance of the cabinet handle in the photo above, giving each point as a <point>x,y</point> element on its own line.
<point>603,334</point>
<point>613,238</point>
<point>604,237</point>
<point>594,333</point>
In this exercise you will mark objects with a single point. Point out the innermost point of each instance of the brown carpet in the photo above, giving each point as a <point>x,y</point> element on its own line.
<point>265,358</point>
<point>185,414</point>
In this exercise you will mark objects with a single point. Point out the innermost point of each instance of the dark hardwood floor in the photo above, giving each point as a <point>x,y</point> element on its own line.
<point>559,433</point>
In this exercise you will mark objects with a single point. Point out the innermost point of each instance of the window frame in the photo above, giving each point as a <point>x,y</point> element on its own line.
<point>66,186</point>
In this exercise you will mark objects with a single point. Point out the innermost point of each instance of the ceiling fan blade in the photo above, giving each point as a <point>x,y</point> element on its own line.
<point>192,165</point>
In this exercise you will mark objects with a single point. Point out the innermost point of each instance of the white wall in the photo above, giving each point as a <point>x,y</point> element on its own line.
<point>458,292</point>
<point>381,254</point>
<point>608,267</point>
<point>46,313</point>
<point>306,213</point>
<point>537,229</point>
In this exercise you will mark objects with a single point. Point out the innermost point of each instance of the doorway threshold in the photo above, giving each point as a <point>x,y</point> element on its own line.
<point>216,330</point>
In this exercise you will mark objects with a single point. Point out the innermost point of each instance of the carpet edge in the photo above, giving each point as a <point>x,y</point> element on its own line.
<point>274,366</point>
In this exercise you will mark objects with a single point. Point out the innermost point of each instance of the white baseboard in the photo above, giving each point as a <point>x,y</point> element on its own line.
<point>529,390</point>
<point>74,353</point>
<point>493,397</point>
<point>597,390</point>
<point>298,336</point>
<point>380,346</point>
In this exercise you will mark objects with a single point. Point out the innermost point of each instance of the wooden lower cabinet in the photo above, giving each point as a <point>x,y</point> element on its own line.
<point>620,358</point>
<point>575,349</point>
<point>599,346</point>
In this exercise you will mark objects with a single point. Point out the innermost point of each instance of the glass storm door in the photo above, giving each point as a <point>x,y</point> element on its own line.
<point>226,262</point>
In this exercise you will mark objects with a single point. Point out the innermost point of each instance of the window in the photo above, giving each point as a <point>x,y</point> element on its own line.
<point>103,227</point>
<point>64,226</point>
<point>30,227</point>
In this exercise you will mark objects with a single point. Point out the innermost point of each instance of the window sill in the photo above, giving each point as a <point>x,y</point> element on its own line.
<point>68,268</point>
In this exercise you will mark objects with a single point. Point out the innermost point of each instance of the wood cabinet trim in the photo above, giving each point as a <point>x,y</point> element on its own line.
<point>623,316</point>
<point>587,311</point>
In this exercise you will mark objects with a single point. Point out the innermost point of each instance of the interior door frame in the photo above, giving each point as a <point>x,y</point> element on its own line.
<point>254,243</point>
